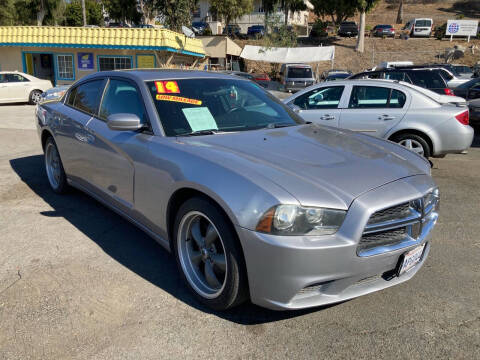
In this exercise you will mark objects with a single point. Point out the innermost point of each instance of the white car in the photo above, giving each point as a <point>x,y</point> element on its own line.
<point>419,119</point>
<point>19,87</point>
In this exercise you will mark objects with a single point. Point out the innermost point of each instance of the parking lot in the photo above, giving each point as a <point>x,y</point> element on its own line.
<point>78,281</point>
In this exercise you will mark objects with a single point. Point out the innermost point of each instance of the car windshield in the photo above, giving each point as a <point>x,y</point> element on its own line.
<point>299,72</point>
<point>462,69</point>
<point>338,76</point>
<point>208,106</point>
<point>426,23</point>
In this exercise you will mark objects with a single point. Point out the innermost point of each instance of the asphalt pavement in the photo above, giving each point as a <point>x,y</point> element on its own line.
<point>79,282</point>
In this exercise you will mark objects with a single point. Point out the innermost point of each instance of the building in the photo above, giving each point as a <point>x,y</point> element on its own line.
<point>65,54</point>
<point>256,17</point>
<point>222,52</point>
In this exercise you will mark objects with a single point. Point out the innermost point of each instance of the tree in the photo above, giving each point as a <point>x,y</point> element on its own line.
<point>123,10</point>
<point>400,13</point>
<point>74,16</point>
<point>36,12</point>
<point>7,14</point>
<point>147,8</point>
<point>176,13</point>
<point>337,10</point>
<point>231,9</point>
<point>363,6</point>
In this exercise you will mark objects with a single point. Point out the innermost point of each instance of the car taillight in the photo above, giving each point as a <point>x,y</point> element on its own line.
<point>448,91</point>
<point>463,118</point>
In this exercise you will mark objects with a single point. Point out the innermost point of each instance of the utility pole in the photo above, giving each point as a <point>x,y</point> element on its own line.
<point>84,13</point>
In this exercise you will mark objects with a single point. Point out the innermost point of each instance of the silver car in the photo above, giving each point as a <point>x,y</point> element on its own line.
<point>252,201</point>
<point>419,119</point>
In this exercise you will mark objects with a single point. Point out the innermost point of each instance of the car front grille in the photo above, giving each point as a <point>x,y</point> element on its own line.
<point>399,226</point>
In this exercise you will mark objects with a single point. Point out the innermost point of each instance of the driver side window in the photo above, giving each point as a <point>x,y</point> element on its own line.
<point>320,98</point>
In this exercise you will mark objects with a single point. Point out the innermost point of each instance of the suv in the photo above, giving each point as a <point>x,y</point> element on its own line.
<point>383,30</point>
<point>430,79</point>
<point>296,76</point>
<point>232,30</point>
<point>256,31</point>
<point>348,28</point>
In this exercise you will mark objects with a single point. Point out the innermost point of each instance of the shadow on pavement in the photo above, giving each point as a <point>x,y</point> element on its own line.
<point>128,245</point>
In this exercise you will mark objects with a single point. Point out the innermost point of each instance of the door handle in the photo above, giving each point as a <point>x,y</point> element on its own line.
<point>386,117</point>
<point>327,117</point>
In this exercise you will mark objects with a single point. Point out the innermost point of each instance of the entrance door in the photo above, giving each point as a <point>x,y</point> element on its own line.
<point>40,65</point>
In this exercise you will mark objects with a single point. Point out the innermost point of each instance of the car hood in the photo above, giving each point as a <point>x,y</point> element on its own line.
<point>319,166</point>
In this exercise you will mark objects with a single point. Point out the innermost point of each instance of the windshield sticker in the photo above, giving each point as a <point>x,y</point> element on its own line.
<point>178,99</point>
<point>167,87</point>
<point>200,119</point>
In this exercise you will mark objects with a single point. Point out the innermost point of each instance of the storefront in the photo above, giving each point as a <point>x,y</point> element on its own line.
<point>65,54</point>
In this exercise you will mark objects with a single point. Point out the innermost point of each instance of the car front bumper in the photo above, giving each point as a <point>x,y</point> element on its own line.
<point>294,272</point>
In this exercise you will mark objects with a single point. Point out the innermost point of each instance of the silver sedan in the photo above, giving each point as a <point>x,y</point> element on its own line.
<point>253,201</point>
<point>419,119</point>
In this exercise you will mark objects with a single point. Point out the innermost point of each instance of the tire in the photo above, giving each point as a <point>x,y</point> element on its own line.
<point>35,97</point>
<point>54,167</point>
<point>195,220</point>
<point>414,142</point>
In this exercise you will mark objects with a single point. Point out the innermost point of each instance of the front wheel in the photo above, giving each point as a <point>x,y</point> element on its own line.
<point>35,97</point>
<point>414,143</point>
<point>209,256</point>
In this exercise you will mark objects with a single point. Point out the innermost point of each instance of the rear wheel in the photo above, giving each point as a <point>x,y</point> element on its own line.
<point>208,255</point>
<point>415,143</point>
<point>35,97</point>
<point>54,167</point>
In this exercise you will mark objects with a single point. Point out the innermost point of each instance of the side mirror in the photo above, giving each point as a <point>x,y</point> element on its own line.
<point>124,122</point>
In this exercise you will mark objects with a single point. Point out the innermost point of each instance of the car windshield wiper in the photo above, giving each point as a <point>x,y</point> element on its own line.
<point>277,125</point>
<point>200,132</point>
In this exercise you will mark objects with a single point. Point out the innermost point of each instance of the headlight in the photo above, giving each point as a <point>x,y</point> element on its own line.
<point>297,220</point>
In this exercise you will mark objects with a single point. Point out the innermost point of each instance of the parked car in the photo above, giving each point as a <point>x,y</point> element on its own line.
<point>430,79</point>
<point>469,90</point>
<point>54,93</point>
<point>20,87</point>
<point>232,30</point>
<point>256,31</point>
<point>145,26</point>
<point>296,76</point>
<point>463,70</point>
<point>446,71</point>
<point>419,27</point>
<point>393,64</point>
<point>241,74</point>
<point>335,74</point>
<point>199,27</point>
<point>474,107</point>
<point>383,30</point>
<point>250,199</point>
<point>348,29</point>
<point>411,116</point>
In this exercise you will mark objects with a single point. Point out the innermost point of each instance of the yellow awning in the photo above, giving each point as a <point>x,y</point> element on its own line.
<point>106,38</point>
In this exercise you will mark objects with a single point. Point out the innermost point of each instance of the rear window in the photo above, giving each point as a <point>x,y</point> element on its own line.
<point>423,23</point>
<point>299,72</point>
<point>427,79</point>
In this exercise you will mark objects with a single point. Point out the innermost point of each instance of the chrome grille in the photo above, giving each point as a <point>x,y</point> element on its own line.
<point>399,226</point>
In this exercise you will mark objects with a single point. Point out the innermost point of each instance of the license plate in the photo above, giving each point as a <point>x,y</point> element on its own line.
<point>410,259</point>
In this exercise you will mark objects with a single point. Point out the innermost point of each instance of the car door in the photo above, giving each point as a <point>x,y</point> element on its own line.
<point>374,109</point>
<point>14,87</point>
<point>320,105</point>
<point>71,134</point>
<point>113,166</point>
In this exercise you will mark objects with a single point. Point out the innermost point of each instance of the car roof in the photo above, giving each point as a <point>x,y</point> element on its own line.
<point>156,74</point>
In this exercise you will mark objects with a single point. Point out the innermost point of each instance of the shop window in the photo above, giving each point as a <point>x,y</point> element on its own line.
<point>65,67</point>
<point>107,63</point>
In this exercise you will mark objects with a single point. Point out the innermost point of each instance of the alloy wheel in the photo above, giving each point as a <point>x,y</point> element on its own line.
<point>413,145</point>
<point>202,254</point>
<point>53,165</point>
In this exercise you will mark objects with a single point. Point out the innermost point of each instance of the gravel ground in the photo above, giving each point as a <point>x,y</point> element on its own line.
<point>78,281</point>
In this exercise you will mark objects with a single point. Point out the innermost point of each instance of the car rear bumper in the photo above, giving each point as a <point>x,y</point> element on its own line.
<point>293,272</point>
<point>453,138</point>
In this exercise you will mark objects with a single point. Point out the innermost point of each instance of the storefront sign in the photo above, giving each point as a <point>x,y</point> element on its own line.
<point>85,61</point>
<point>145,61</point>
